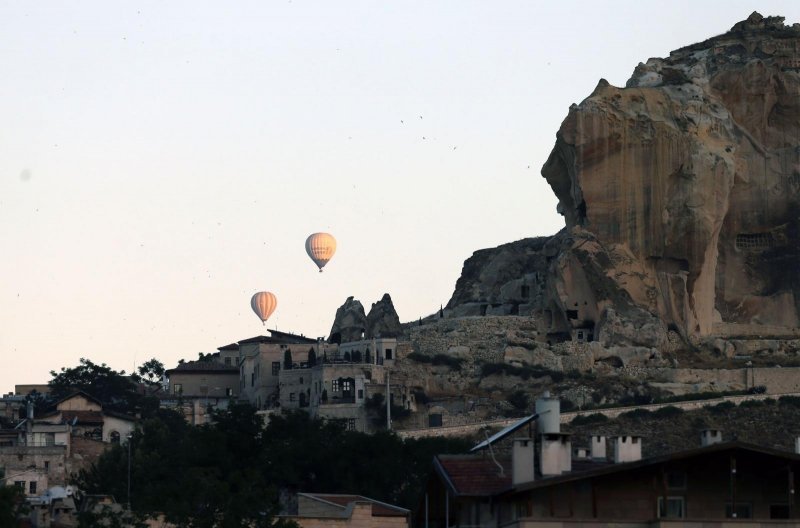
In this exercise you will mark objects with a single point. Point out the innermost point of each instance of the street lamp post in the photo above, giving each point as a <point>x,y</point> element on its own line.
<point>130,436</point>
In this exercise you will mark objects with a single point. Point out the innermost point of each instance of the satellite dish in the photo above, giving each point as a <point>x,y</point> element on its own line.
<point>321,247</point>
<point>263,304</point>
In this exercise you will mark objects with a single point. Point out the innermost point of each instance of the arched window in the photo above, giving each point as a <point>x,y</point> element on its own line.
<point>114,437</point>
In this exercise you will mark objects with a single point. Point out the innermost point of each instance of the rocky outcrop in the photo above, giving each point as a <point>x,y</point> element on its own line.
<point>501,281</point>
<point>350,323</point>
<point>382,319</point>
<point>680,196</point>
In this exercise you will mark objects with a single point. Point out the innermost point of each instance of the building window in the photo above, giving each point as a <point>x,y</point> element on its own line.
<point>291,396</point>
<point>32,487</point>
<point>20,484</point>
<point>388,353</point>
<point>46,465</point>
<point>228,361</point>
<point>351,424</point>
<point>435,420</point>
<point>675,508</point>
<point>347,385</point>
<point>360,394</point>
<point>276,367</point>
<point>778,511</point>
<point>743,511</point>
<point>228,392</point>
<point>335,385</point>
<point>252,378</point>
<point>676,480</point>
<point>177,388</point>
<point>114,437</point>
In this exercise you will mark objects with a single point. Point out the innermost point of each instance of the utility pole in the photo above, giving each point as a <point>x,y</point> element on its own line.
<point>130,436</point>
<point>388,403</point>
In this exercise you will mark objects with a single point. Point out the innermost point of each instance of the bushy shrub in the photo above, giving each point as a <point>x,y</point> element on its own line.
<point>450,361</point>
<point>669,411</point>
<point>439,359</point>
<point>636,414</point>
<point>721,408</point>
<point>790,401</point>
<point>525,372</point>
<point>589,419</point>
<point>751,404</point>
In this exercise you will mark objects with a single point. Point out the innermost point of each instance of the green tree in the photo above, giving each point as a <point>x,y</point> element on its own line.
<point>312,357</point>
<point>152,371</point>
<point>287,359</point>
<point>12,505</point>
<point>114,389</point>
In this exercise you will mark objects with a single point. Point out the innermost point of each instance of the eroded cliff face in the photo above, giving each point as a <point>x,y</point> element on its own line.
<point>680,196</point>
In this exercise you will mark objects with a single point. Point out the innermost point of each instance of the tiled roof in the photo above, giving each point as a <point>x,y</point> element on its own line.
<point>84,417</point>
<point>283,338</point>
<point>474,475</point>
<point>204,366</point>
<point>379,509</point>
<point>600,469</point>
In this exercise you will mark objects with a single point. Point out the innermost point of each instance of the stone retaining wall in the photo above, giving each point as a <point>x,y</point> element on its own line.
<point>613,412</point>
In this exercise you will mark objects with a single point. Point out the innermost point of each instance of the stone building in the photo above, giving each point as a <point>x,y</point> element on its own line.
<point>322,510</point>
<point>343,381</point>
<point>198,387</point>
<point>261,359</point>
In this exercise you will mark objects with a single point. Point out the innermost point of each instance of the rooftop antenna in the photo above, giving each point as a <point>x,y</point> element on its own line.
<point>491,451</point>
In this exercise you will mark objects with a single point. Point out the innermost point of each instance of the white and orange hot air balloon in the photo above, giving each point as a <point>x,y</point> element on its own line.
<point>321,247</point>
<point>263,304</point>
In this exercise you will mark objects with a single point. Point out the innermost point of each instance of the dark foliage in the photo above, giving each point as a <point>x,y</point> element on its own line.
<point>287,359</point>
<point>525,372</point>
<point>438,359</point>
<point>312,357</point>
<point>588,419</point>
<point>670,411</point>
<point>235,466</point>
<point>636,414</point>
<point>116,391</point>
<point>12,505</point>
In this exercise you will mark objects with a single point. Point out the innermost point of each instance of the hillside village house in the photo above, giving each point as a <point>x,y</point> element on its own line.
<point>338,385</point>
<point>198,387</point>
<point>41,452</point>
<point>342,381</point>
<point>261,359</point>
<point>322,510</point>
<point>545,484</point>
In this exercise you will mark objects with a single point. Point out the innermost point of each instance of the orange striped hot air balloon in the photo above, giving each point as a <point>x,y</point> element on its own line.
<point>263,304</point>
<point>321,247</point>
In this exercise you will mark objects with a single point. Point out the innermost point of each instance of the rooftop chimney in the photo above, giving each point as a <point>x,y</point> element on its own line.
<point>556,454</point>
<point>549,411</point>
<point>598,447</point>
<point>580,453</point>
<point>710,436</point>
<point>522,454</point>
<point>627,449</point>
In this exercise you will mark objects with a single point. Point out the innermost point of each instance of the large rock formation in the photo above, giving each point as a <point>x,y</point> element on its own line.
<point>382,319</point>
<point>350,323</point>
<point>680,195</point>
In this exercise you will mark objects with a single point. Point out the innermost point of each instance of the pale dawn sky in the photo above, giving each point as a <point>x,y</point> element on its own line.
<point>160,162</point>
